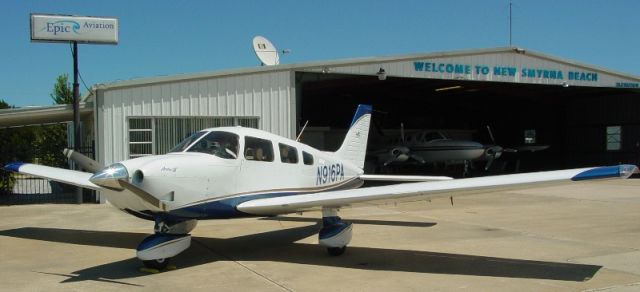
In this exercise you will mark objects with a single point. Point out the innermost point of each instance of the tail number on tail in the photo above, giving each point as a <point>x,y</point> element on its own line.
<point>329,173</point>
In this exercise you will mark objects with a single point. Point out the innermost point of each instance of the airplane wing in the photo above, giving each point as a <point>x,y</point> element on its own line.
<point>402,178</point>
<point>335,199</point>
<point>72,177</point>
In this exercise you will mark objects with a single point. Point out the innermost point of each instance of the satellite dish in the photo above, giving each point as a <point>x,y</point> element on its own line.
<point>266,51</point>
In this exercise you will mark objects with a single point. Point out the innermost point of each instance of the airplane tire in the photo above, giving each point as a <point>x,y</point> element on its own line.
<point>336,251</point>
<point>158,264</point>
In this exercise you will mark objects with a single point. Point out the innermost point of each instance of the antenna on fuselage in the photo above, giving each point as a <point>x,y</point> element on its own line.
<point>302,131</point>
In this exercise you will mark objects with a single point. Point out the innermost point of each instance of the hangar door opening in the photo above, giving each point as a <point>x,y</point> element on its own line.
<point>578,124</point>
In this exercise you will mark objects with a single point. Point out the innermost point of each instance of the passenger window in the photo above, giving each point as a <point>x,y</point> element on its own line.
<point>258,149</point>
<point>288,154</point>
<point>307,158</point>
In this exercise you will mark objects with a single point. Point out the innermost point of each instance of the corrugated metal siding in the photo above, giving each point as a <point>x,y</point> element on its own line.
<point>263,95</point>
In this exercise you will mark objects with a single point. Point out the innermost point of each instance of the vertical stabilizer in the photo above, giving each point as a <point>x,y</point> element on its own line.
<point>354,146</point>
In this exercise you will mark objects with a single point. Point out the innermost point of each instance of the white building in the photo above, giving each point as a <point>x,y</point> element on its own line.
<point>581,110</point>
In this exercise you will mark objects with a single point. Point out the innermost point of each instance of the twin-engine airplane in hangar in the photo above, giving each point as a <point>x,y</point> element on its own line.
<point>232,172</point>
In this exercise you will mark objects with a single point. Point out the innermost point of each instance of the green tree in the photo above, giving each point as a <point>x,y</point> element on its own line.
<point>62,90</point>
<point>35,144</point>
<point>16,145</point>
<point>50,140</point>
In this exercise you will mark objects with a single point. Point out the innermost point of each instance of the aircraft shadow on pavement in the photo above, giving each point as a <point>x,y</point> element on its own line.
<point>281,246</point>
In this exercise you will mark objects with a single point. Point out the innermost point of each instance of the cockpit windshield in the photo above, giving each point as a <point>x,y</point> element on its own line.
<point>218,143</point>
<point>187,141</point>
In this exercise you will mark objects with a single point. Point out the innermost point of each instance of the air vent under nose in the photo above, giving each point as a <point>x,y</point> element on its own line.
<point>138,176</point>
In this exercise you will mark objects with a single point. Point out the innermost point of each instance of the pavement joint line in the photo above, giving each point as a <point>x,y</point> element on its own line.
<point>244,266</point>
<point>636,284</point>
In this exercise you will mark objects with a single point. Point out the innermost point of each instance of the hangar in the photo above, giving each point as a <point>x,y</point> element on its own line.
<point>588,115</point>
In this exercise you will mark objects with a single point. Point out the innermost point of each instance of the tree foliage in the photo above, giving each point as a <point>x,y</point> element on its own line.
<point>35,144</point>
<point>62,90</point>
<point>4,104</point>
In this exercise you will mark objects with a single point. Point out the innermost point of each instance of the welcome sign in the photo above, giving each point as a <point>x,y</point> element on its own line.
<point>65,28</point>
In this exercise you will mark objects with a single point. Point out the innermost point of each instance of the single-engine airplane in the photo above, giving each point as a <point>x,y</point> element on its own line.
<point>232,172</point>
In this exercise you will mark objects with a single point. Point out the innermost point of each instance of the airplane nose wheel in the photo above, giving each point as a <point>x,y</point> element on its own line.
<point>169,239</point>
<point>158,264</point>
<point>336,251</point>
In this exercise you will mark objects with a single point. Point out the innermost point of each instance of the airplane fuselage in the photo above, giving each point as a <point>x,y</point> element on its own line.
<point>206,183</point>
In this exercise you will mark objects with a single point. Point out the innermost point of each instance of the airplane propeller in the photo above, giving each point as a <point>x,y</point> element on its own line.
<point>402,153</point>
<point>82,160</point>
<point>494,151</point>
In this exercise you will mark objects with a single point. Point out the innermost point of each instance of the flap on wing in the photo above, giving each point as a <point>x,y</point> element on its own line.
<point>290,204</point>
<point>72,177</point>
<point>402,178</point>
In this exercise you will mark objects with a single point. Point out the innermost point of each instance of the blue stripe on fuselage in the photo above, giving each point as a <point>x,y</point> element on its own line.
<point>226,208</point>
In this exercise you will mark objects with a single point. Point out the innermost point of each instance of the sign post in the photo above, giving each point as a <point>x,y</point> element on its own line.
<point>74,29</point>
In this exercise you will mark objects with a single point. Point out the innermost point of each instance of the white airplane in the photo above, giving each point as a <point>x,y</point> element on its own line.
<point>232,172</point>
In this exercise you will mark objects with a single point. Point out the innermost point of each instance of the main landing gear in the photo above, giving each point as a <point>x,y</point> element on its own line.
<point>169,239</point>
<point>335,234</point>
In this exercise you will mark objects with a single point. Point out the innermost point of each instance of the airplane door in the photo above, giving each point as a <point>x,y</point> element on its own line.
<point>258,166</point>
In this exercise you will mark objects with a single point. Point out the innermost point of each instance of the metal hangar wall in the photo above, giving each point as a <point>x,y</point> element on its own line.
<point>575,108</point>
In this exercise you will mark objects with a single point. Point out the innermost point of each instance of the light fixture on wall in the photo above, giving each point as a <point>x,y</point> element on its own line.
<point>565,84</point>
<point>382,75</point>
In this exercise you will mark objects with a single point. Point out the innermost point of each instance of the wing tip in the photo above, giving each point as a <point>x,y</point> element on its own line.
<point>622,171</point>
<point>13,166</point>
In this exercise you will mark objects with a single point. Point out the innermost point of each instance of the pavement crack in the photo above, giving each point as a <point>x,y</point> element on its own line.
<point>263,276</point>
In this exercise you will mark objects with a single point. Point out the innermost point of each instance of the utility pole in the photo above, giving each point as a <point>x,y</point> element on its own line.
<point>76,112</point>
<point>510,22</point>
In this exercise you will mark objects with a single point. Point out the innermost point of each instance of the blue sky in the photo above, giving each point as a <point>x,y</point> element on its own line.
<point>171,37</point>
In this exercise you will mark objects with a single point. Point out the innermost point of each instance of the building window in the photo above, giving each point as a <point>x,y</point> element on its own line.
<point>140,137</point>
<point>614,138</point>
<point>529,136</point>
<point>158,135</point>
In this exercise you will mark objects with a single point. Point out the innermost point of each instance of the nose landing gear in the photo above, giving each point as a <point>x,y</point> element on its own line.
<point>169,239</point>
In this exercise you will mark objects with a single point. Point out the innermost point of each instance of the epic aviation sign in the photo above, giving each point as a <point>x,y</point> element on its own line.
<point>82,29</point>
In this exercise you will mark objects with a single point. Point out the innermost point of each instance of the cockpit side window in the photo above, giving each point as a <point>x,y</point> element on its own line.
<point>218,143</point>
<point>187,141</point>
<point>307,158</point>
<point>288,154</point>
<point>258,149</point>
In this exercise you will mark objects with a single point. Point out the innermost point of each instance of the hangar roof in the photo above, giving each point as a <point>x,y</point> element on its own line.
<point>319,66</point>
<point>367,66</point>
<point>27,116</point>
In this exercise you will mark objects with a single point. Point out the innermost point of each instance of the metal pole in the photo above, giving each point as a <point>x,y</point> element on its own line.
<point>510,22</point>
<point>76,112</point>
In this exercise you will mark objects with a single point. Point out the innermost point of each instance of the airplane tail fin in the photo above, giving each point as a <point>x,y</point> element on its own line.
<point>354,146</point>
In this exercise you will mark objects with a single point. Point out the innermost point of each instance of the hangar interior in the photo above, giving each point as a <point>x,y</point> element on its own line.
<point>572,120</point>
